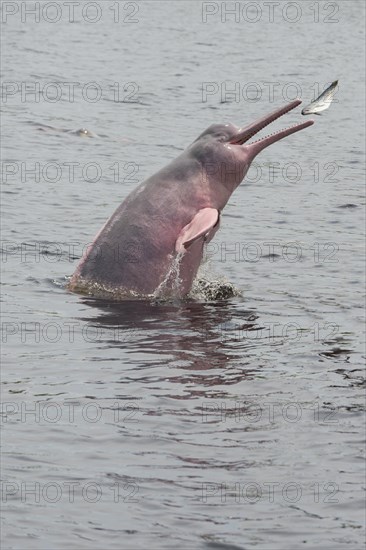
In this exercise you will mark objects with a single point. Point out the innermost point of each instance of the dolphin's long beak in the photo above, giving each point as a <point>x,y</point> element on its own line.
<point>248,132</point>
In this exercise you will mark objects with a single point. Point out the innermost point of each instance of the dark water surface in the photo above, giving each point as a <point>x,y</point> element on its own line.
<point>213,424</point>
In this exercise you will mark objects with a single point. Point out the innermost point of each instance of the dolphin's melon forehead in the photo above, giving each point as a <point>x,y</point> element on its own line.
<point>218,131</point>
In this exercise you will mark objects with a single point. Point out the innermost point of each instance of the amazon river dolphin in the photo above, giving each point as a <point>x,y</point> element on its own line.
<point>153,243</point>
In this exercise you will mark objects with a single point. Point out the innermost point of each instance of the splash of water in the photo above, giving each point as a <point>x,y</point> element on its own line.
<point>171,285</point>
<point>210,286</point>
<point>206,286</point>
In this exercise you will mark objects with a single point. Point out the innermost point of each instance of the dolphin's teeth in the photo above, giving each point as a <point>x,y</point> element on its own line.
<point>288,109</point>
<point>274,133</point>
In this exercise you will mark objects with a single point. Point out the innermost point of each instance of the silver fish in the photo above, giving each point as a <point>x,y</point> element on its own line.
<point>322,102</point>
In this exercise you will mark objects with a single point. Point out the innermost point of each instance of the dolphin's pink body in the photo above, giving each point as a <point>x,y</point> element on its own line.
<point>174,212</point>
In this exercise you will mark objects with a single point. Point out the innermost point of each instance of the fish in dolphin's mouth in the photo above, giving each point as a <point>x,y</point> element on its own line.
<point>322,102</point>
<point>246,133</point>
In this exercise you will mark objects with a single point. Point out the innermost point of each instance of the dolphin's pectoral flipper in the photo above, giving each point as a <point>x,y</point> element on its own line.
<point>204,224</point>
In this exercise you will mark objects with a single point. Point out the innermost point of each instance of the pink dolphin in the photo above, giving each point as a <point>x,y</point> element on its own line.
<point>153,243</point>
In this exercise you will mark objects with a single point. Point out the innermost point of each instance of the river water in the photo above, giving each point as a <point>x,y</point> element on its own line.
<point>205,423</point>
